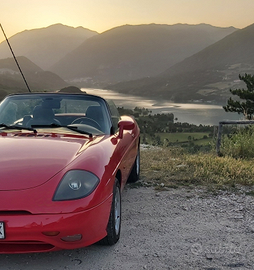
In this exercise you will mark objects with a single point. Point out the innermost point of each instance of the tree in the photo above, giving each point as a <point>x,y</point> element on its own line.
<point>246,107</point>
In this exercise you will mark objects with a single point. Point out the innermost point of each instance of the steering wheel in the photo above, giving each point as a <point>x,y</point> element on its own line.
<point>87,121</point>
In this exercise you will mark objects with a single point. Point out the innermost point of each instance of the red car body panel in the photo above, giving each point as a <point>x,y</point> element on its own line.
<point>25,232</point>
<point>32,166</point>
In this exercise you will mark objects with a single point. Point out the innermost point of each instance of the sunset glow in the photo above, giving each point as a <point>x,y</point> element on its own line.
<point>101,15</point>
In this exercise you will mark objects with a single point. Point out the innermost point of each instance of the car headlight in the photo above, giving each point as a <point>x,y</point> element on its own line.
<point>76,184</point>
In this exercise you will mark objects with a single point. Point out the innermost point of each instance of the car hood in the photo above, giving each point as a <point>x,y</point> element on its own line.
<point>27,162</point>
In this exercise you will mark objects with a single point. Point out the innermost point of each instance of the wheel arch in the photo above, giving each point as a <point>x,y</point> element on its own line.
<point>119,177</point>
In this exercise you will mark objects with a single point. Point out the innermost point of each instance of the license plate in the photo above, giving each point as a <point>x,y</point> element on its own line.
<point>2,234</point>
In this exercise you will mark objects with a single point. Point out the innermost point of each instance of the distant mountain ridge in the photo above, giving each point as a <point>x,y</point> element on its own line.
<point>46,46</point>
<point>134,51</point>
<point>11,80</point>
<point>206,75</point>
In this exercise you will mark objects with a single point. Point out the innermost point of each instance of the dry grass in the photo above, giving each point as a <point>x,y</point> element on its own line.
<point>171,167</point>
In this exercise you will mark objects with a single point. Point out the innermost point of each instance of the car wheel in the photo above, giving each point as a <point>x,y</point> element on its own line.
<point>114,223</point>
<point>134,175</point>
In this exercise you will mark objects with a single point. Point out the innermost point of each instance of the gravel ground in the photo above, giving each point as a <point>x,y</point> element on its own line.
<point>175,229</point>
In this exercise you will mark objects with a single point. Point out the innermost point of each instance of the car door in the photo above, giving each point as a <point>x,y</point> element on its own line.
<point>127,145</point>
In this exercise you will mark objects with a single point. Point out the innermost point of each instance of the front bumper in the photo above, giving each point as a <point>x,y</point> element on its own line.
<point>42,233</point>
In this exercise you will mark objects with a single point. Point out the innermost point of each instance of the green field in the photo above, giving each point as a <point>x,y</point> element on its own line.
<point>198,138</point>
<point>183,137</point>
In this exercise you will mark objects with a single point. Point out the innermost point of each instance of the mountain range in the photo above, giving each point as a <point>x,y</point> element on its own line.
<point>178,62</point>
<point>206,76</point>
<point>130,52</point>
<point>11,80</point>
<point>46,46</point>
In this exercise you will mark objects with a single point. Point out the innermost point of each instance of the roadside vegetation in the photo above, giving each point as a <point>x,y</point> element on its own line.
<point>180,154</point>
<point>171,167</point>
<point>240,144</point>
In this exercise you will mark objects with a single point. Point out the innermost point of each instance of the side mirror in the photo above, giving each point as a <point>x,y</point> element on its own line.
<point>125,125</point>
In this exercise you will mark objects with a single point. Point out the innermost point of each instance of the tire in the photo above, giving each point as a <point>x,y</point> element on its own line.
<point>114,223</point>
<point>134,175</point>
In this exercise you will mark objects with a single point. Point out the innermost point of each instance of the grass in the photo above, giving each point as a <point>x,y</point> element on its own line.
<point>197,138</point>
<point>183,136</point>
<point>173,166</point>
<point>240,144</point>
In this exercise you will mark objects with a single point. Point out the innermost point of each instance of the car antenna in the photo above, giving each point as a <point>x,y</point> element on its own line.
<point>15,58</point>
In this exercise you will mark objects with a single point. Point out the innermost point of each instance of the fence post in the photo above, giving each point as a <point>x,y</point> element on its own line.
<point>219,139</point>
<point>215,131</point>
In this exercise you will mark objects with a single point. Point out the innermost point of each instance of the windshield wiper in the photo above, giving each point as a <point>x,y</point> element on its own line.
<point>73,128</point>
<point>17,127</point>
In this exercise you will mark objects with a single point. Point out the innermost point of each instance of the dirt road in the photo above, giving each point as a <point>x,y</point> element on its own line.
<point>174,229</point>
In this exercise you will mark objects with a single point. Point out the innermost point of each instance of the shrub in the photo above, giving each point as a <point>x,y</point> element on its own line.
<point>240,144</point>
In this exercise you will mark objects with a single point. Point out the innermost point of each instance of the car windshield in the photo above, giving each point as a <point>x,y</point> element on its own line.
<point>79,112</point>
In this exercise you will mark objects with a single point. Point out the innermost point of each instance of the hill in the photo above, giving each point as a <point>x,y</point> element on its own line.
<point>134,51</point>
<point>46,46</point>
<point>206,76</point>
<point>38,80</point>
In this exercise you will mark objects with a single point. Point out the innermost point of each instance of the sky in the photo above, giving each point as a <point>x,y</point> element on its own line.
<point>102,15</point>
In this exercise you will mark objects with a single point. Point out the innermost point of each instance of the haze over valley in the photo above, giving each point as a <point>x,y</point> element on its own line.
<point>207,75</point>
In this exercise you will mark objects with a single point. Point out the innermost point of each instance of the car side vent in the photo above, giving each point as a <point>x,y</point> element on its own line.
<point>14,213</point>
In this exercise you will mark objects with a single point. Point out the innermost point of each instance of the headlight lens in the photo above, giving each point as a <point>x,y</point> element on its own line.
<point>76,184</point>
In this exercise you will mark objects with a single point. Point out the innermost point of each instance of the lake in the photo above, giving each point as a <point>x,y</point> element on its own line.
<point>192,113</point>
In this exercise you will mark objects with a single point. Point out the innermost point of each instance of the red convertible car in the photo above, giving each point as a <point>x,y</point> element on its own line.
<point>64,161</point>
